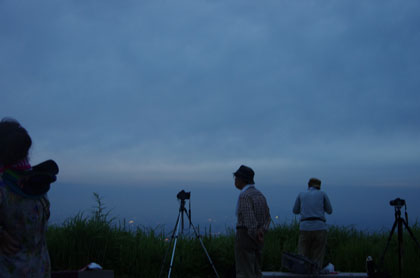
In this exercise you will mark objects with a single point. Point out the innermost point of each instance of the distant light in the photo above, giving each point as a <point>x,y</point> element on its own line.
<point>277,217</point>
<point>166,239</point>
<point>131,222</point>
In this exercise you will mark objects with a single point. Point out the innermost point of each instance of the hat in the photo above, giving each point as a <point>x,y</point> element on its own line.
<point>245,173</point>
<point>314,182</point>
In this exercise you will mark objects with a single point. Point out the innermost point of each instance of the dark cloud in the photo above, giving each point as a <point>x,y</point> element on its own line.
<point>284,84</point>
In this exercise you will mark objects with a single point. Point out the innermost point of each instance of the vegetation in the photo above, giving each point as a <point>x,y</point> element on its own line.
<point>139,252</point>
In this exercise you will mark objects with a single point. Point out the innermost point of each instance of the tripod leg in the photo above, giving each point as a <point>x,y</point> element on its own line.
<point>169,246</point>
<point>400,246</point>
<point>411,233</point>
<point>381,262</point>
<point>202,245</point>
<point>173,251</point>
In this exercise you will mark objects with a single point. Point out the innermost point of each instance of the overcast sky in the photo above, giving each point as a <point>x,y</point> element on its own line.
<point>141,92</point>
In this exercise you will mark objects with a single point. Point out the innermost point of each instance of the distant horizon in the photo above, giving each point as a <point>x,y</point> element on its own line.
<point>158,206</point>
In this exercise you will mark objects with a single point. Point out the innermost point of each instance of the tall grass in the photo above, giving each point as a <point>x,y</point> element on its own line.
<point>139,252</point>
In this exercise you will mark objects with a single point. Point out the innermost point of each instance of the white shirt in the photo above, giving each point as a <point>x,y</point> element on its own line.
<point>312,203</point>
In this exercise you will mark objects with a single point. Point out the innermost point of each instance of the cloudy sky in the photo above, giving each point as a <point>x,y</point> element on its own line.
<point>141,92</point>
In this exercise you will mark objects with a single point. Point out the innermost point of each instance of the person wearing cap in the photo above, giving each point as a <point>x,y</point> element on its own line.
<point>312,205</point>
<point>253,220</point>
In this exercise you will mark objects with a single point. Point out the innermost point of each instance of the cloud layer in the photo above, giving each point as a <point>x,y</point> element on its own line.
<point>150,90</point>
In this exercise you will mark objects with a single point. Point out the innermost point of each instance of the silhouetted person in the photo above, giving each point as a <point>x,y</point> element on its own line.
<point>311,205</point>
<point>253,220</point>
<point>24,206</point>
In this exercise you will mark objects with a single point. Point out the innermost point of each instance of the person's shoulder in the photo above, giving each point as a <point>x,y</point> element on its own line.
<point>302,193</point>
<point>253,191</point>
<point>324,193</point>
<point>249,191</point>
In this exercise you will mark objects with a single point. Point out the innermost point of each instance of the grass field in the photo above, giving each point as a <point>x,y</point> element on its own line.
<point>139,252</point>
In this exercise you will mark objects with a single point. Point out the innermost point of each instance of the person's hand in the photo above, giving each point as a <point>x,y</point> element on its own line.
<point>260,235</point>
<point>8,245</point>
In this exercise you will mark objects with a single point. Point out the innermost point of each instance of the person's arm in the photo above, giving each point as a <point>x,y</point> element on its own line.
<point>262,230</point>
<point>267,219</point>
<point>327,205</point>
<point>296,207</point>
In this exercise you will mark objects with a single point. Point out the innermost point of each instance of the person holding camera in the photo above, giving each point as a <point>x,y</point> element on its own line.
<point>253,220</point>
<point>24,206</point>
<point>312,205</point>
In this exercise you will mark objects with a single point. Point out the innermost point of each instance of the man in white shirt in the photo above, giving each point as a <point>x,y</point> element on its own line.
<point>312,205</point>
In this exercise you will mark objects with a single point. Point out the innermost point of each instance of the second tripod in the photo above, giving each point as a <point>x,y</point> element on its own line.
<point>182,196</point>
<point>399,223</point>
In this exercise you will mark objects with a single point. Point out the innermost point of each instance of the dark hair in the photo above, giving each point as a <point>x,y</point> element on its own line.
<point>15,142</point>
<point>314,182</point>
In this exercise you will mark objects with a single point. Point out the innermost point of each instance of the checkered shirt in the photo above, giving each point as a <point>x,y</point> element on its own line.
<point>253,212</point>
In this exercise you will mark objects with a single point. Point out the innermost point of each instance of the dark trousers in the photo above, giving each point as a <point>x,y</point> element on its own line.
<point>312,245</point>
<point>248,254</point>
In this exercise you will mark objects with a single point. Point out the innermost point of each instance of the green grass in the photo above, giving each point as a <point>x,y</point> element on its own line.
<point>139,252</point>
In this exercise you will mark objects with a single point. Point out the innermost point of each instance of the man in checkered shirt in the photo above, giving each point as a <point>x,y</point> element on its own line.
<point>253,219</point>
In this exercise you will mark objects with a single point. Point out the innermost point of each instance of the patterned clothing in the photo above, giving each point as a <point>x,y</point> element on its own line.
<point>26,221</point>
<point>20,166</point>
<point>252,212</point>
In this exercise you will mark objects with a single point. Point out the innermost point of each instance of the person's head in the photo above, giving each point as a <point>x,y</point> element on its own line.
<point>244,176</point>
<point>315,183</point>
<point>15,142</point>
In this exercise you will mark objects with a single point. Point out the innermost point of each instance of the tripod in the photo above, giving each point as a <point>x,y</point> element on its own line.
<point>399,222</point>
<point>175,234</point>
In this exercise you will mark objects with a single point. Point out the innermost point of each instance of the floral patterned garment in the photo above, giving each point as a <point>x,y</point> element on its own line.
<point>25,220</point>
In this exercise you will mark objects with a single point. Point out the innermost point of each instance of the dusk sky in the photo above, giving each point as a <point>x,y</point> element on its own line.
<point>171,92</point>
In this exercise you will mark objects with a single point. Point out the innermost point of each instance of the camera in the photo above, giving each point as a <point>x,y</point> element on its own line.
<point>397,202</point>
<point>182,195</point>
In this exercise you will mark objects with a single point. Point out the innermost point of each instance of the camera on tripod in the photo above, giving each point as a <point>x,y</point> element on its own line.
<point>182,195</point>
<point>398,203</point>
<point>398,225</point>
